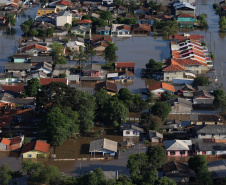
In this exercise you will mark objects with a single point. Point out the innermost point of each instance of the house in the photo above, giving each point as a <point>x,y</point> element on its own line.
<point>42,25</point>
<point>84,22</point>
<point>142,29</point>
<point>177,147</point>
<point>209,89</point>
<point>202,97</point>
<point>47,81</point>
<point>161,87</point>
<point>120,10</point>
<point>9,77</point>
<point>186,20</point>
<point>94,15</point>
<point>67,69</point>
<point>171,2</point>
<point>80,31</point>
<point>209,147</point>
<point>146,19</point>
<point>155,136</point>
<point>12,144</point>
<point>14,88</point>
<point>104,147</point>
<point>212,132</point>
<point>35,149</point>
<point>44,11</point>
<point>63,17</point>
<point>125,66</point>
<point>131,130</point>
<point>74,45</point>
<point>103,30</point>
<point>39,59</point>
<point>50,18</point>
<point>178,172</point>
<point>92,70</point>
<point>123,77</point>
<point>172,70</point>
<point>62,5</point>
<point>180,105</point>
<point>21,58</point>
<point>110,87</point>
<point>42,67</point>
<point>121,30</point>
<point>206,119</point>
<point>18,67</point>
<point>141,10</point>
<point>184,7</point>
<point>99,43</point>
<point>217,169</point>
<point>35,49</point>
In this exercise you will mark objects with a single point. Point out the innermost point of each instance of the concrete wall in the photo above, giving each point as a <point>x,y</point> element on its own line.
<point>33,154</point>
<point>177,108</point>
<point>131,132</point>
<point>206,123</point>
<point>62,20</point>
<point>170,75</point>
<point>177,153</point>
<point>209,136</point>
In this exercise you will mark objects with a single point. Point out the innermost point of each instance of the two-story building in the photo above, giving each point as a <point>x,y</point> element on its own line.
<point>186,20</point>
<point>44,11</point>
<point>206,119</point>
<point>212,132</point>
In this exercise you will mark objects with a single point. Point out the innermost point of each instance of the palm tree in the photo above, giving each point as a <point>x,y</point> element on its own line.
<point>91,53</point>
<point>81,57</point>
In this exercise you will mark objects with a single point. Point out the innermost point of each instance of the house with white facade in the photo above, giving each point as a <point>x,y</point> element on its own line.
<point>121,30</point>
<point>131,130</point>
<point>161,87</point>
<point>212,132</point>
<point>63,17</point>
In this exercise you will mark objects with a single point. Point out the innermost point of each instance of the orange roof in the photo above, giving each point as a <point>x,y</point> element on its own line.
<point>100,39</point>
<point>162,85</point>
<point>15,140</point>
<point>26,48</point>
<point>188,61</point>
<point>5,141</point>
<point>124,64</point>
<point>176,54</point>
<point>46,81</point>
<point>14,88</point>
<point>143,27</point>
<point>174,66</point>
<point>36,145</point>
<point>199,58</point>
<point>181,37</point>
<point>186,15</point>
<point>63,2</point>
<point>84,21</point>
<point>124,27</point>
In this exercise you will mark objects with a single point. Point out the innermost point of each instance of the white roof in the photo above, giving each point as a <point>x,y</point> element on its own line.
<point>177,144</point>
<point>183,4</point>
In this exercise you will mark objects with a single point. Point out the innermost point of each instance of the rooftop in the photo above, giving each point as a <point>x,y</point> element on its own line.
<point>103,144</point>
<point>37,146</point>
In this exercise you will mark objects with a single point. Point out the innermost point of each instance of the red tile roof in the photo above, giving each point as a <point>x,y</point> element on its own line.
<point>63,2</point>
<point>5,141</point>
<point>124,27</point>
<point>26,48</point>
<point>84,21</point>
<point>109,86</point>
<point>186,15</point>
<point>124,64</point>
<point>161,85</point>
<point>36,145</point>
<point>141,27</point>
<point>101,38</point>
<point>46,81</point>
<point>188,61</point>
<point>181,37</point>
<point>15,140</point>
<point>14,88</point>
<point>173,66</point>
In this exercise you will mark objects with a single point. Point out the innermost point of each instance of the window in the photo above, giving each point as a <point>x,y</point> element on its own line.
<point>215,123</point>
<point>167,78</point>
<point>172,153</point>
<point>44,11</point>
<point>203,123</point>
<point>134,132</point>
<point>127,132</point>
<point>28,155</point>
<point>203,134</point>
<point>182,152</point>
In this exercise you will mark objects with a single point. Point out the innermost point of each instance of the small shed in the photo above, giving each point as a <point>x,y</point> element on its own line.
<point>104,147</point>
<point>155,137</point>
<point>131,130</point>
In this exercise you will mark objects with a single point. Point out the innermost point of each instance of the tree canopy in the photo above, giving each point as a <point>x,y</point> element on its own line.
<point>106,15</point>
<point>219,98</point>
<point>152,123</point>
<point>156,155</point>
<point>57,53</point>
<point>110,52</point>
<point>166,95</point>
<point>5,174</point>
<point>201,81</point>
<point>161,109</point>
<point>33,87</point>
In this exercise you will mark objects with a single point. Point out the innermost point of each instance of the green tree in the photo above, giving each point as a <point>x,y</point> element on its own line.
<point>110,52</point>
<point>67,26</point>
<point>202,20</point>
<point>74,22</point>
<point>106,15</point>
<point>87,17</point>
<point>33,87</point>
<point>154,66</point>
<point>33,32</point>
<point>219,98</point>
<point>201,81</point>
<point>156,156</point>
<point>56,127</point>
<point>97,22</point>
<point>138,165</point>
<point>165,181</point>
<point>57,53</point>
<point>11,19</point>
<point>115,112</point>
<point>95,178</point>
<point>91,53</point>
<point>222,24</point>
<point>27,140</point>
<point>152,123</point>
<point>41,33</point>
<point>161,109</point>
<point>5,174</point>
<point>81,58</point>
<point>167,96</point>
<point>63,75</point>
<point>25,28</point>
<point>49,32</point>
